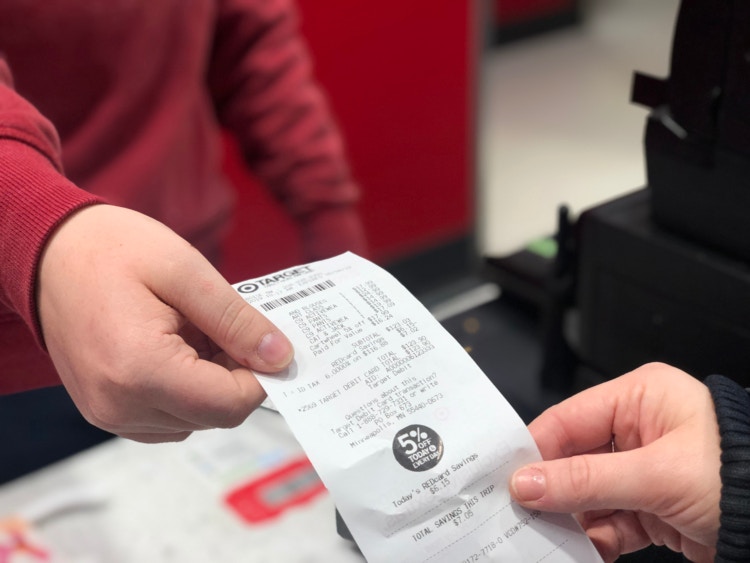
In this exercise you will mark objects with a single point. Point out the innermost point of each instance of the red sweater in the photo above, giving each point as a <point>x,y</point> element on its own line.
<point>137,93</point>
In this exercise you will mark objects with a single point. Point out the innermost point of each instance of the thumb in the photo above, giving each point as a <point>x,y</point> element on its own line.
<point>192,286</point>
<point>621,480</point>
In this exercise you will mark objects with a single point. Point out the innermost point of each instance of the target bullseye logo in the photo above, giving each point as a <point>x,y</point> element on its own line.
<point>417,447</point>
<point>248,287</point>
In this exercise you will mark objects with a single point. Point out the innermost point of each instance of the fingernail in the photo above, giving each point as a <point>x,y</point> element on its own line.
<point>528,484</point>
<point>275,350</point>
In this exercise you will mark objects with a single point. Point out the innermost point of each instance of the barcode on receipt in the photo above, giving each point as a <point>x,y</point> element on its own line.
<point>273,304</point>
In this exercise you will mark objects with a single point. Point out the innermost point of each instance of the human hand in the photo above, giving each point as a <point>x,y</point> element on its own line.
<point>148,338</point>
<point>661,485</point>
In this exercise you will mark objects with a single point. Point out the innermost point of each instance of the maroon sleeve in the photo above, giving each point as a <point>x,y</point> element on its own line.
<point>34,198</point>
<point>261,80</point>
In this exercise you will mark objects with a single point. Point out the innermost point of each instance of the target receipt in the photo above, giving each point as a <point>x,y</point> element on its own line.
<point>412,440</point>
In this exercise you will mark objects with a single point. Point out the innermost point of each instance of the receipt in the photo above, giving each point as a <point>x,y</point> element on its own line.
<point>412,440</point>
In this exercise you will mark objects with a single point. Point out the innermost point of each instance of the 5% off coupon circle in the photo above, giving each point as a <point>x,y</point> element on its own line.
<point>417,447</point>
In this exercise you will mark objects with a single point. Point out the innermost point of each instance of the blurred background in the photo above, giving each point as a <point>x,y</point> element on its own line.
<point>467,123</point>
<point>557,124</point>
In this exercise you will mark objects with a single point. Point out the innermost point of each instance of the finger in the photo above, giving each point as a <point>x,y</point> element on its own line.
<point>149,421</point>
<point>117,417</point>
<point>630,408</point>
<point>607,448</point>
<point>580,424</point>
<point>191,285</point>
<point>661,533</point>
<point>622,480</point>
<point>586,518</point>
<point>206,394</point>
<point>176,426</point>
<point>616,534</point>
<point>157,437</point>
<point>225,361</point>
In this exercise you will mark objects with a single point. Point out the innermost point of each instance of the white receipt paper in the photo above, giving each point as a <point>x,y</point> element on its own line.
<point>412,440</point>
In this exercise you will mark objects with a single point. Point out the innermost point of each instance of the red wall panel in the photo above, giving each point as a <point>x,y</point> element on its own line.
<point>400,77</point>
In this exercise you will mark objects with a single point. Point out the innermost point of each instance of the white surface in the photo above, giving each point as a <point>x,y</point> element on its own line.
<point>163,503</point>
<point>557,123</point>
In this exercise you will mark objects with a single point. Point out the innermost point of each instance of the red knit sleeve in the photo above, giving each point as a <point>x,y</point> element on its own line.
<point>34,198</point>
<point>261,80</point>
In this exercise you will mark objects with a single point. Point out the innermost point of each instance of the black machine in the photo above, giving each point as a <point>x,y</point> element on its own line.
<point>698,133</point>
<point>663,273</point>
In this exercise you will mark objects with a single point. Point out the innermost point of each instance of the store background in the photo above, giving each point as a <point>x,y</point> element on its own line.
<point>467,124</point>
<point>465,145</point>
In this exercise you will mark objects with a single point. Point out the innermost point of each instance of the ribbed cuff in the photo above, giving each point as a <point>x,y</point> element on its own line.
<point>34,199</point>
<point>733,413</point>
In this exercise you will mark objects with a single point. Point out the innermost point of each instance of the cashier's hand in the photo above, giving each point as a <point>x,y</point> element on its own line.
<point>148,338</point>
<point>661,485</point>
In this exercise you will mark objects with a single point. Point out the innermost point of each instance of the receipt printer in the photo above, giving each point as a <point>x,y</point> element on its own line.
<point>697,138</point>
<point>664,273</point>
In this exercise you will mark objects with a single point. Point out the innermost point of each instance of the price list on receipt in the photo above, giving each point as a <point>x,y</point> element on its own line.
<point>413,441</point>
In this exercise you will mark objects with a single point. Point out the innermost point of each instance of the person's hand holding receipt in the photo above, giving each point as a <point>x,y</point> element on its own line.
<point>148,338</point>
<point>637,458</point>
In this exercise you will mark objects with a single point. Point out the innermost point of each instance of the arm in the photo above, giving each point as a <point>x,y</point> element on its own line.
<point>261,80</point>
<point>29,154</point>
<point>148,339</point>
